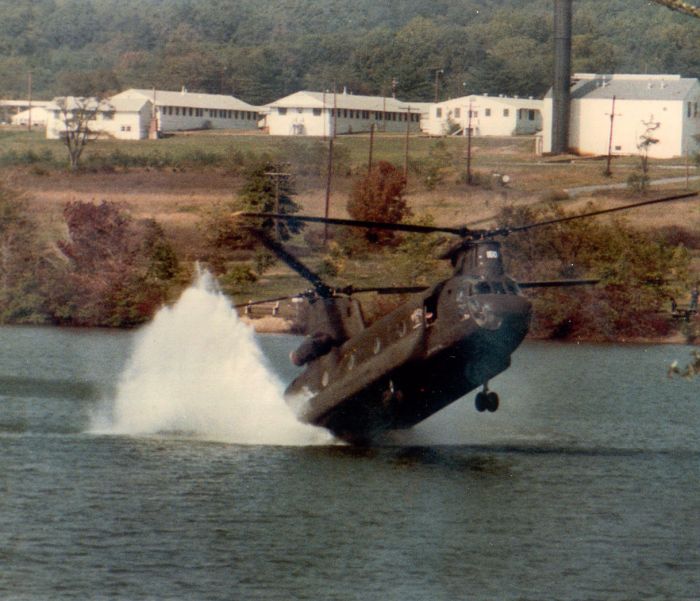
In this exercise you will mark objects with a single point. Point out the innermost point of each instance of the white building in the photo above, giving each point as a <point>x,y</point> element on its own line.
<point>179,111</point>
<point>11,109</point>
<point>36,116</point>
<point>122,118</point>
<point>490,116</point>
<point>315,114</point>
<point>664,107</point>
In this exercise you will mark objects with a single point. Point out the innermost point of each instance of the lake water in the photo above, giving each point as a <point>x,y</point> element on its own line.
<point>162,464</point>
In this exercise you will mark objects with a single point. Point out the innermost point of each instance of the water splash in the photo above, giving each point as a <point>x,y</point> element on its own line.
<point>196,368</point>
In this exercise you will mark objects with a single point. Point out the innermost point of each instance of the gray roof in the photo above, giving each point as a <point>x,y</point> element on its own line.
<point>631,87</point>
<point>188,99</point>
<point>307,99</point>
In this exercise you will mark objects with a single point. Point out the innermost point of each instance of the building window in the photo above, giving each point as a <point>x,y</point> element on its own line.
<point>531,115</point>
<point>690,110</point>
<point>458,113</point>
<point>108,116</point>
<point>282,111</point>
<point>317,112</point>
<point>506,112</point>
<point>126,127</point>
<point>487,112</point>
<point>438,112</point>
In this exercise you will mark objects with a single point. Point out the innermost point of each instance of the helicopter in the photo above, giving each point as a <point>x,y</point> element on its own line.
<point>446,340</point>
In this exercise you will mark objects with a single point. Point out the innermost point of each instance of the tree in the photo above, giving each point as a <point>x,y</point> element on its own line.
<point>116,269</point>
<point>638,275</point>
<point>639,181</point>
<point>379,196</point>
<point>269,188</point>
<point>77,114</point>
<point>20,261</point>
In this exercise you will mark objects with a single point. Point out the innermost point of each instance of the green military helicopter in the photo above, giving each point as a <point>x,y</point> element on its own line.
<point>360,381</point>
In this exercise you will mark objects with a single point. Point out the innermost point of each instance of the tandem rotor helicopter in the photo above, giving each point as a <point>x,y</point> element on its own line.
<point>360,381</point>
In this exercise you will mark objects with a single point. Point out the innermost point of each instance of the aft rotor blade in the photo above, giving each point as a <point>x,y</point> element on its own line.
<point>522,228</point>
<point>319,285</point>
<point>379,225</point>
<point>266,301</point>
<point>557,283</point>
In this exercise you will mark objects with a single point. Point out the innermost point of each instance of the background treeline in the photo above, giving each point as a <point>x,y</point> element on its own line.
<point>260,51</point>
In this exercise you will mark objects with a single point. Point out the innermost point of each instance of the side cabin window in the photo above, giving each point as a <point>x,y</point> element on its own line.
<point>430,307</point>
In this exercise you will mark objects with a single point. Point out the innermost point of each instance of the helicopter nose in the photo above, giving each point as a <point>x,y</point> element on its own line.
<point>500,312</point>
<point>483,313</point>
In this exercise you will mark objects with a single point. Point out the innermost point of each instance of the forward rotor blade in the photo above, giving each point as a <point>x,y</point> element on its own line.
<point>379,225</point>
<point>384,290</point>
<point>349,290</point>
<point>522,228</point>
<point>557,283</point>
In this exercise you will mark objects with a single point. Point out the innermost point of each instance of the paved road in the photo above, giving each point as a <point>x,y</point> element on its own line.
<point>581,190</point>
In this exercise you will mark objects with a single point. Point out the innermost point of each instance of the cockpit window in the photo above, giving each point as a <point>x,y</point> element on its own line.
<point>483,288</point>
<point>498,288</point>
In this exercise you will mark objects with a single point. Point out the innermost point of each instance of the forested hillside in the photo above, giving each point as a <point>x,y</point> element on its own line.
<point>261,50</point>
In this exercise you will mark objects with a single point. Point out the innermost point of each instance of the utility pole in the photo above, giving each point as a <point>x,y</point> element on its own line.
<point>405,157</point>
<point>29,95</point>
<point>371,148</point>
<point>469,145</point>
<point>329,176</point>
<point>278,175</point>
<point>383,112</point>
<point>438,72</point>
<point>608,171</point>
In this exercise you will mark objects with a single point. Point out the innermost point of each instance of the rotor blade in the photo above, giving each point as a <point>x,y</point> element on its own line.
<point>319,285</point>
<point>267,300</point>
<point>399,227</point>
<point>383,289</point>
<point>557,283</point>
<point>522,228</point>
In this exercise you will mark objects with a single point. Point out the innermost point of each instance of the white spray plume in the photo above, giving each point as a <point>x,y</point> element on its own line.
<point>196,368</point>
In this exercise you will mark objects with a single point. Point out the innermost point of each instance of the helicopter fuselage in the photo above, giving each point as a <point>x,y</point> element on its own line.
<point>427,353</point>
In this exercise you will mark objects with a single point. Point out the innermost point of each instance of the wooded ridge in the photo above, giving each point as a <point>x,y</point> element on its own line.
<point>263,51</point>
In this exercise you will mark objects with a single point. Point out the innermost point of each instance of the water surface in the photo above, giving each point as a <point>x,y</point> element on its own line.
<point>584,485</point>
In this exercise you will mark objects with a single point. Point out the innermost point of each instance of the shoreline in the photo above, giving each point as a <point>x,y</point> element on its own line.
<point>279,325</point>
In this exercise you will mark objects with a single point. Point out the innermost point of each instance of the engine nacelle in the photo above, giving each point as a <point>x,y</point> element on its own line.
<point>312,348</point>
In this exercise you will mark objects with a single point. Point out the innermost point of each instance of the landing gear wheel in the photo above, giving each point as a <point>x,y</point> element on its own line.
<point>491,401</point>
<point>481,402</point>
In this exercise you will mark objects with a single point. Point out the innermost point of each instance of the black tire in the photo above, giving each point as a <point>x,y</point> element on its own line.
<point>492,402</point>
<point>481,402</point>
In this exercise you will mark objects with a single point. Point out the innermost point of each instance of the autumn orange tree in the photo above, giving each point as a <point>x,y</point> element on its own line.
<point>379,196</point>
